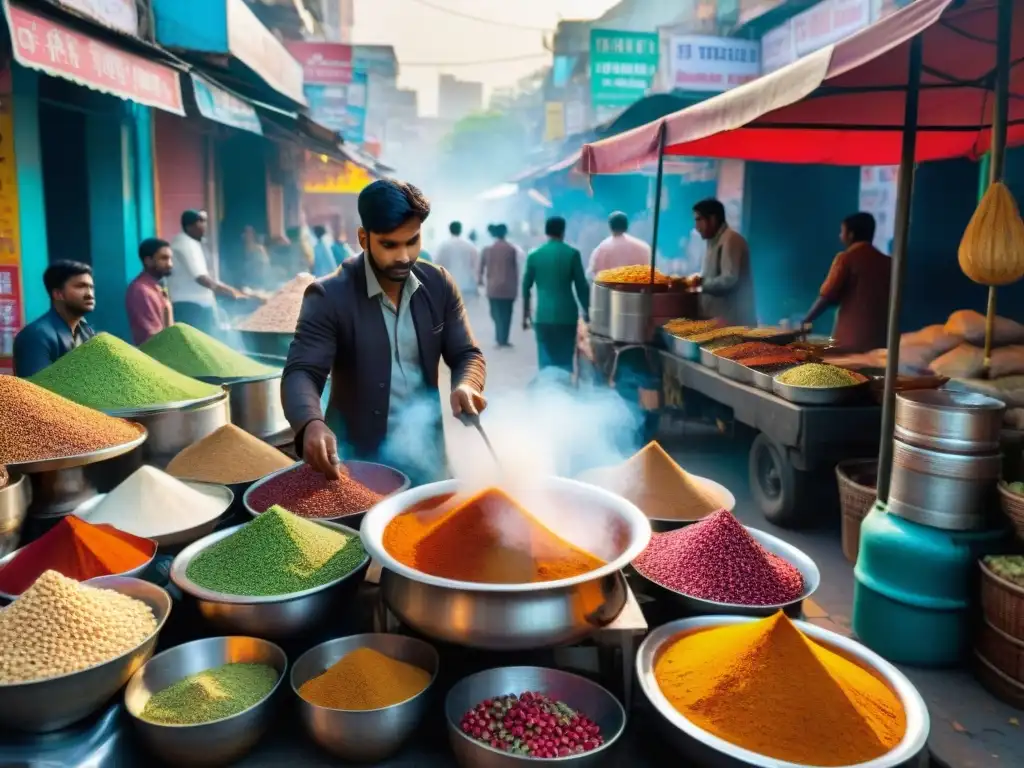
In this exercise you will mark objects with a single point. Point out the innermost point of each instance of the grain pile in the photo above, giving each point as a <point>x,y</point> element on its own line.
<point>211,695</point>
<point>59,626</point>
<point>194,353</point>
<point>659,487</point>
<point>637,274</point>
<point>819,376</point>
<point>365,679</point>
<point>109,374</point>
<point>307,493</point>
<point>36,424</point>
<point>229,455</point>
<point>682,327</point>
<point>280,314</point>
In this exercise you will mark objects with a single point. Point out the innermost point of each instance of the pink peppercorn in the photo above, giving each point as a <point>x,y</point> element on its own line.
<point>717,559</point>
<point>307,493</point>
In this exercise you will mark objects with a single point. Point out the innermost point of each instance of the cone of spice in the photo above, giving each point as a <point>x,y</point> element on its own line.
<point>307,493</point>
<point>365,679</point>
<point>229,455</point>
<point>194,353</point>
<point>280,314</point>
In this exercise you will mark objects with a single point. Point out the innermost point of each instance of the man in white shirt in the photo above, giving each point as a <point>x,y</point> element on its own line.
<point>621,249</point>
<point>192,289</point>
<point>462,260</point>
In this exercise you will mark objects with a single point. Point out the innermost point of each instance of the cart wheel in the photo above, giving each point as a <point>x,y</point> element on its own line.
<point>778,489</point>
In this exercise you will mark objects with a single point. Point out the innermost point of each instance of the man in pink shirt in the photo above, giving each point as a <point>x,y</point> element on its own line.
<point>149,308</point>
<point>619,250</point>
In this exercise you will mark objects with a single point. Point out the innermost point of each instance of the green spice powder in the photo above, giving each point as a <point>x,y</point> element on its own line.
<point>108,374</point>
<point>211,695</point>
<point>194,353</point>
<point>818,375</point>
<point>276,554</point>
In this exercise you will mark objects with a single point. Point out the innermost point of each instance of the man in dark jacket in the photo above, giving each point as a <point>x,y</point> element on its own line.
<point>50,337</point>
<point>380,327</point>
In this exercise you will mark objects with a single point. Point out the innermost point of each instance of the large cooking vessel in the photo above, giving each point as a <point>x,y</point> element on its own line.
<point>516,616</point>
<point>635,315</point>
<point>950,421</point>
<point>256,405</point>
<point>175,426</point>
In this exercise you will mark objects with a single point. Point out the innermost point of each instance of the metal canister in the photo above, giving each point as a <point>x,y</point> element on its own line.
<point>949,421</point>
<point>600,310</point>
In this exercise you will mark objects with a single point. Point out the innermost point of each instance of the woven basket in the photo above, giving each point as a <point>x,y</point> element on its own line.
<point>1002,603</point>
<point>998,684</point>
<point>1003,652</point>
<point>1013,507</point>
<point>856,497</point>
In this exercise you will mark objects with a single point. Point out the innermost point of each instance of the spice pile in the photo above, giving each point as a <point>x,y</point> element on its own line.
<point>763,333</point>
<point>277,553</point>
<point>194,353</point>
<point>59,626</point>
<point>108,374</point>
<point>659,487</point>
<point>717,559</point>
<point>747,349</point>
<point>229,455</point>
<point>765,687</point>
<point>531,725</point>
<point>819,376</point>
<point>307,493</point>
<point>636,274</point>
<point>487,539</point>
<point>211,695</point>
<point>365,679</point>
<point>36,425</point>
<point>151,503</point>
<point>1009,567</point>
<point>280,314</point>
<point>716,333</point>
<point>78,550</point>
<point>682,327</point>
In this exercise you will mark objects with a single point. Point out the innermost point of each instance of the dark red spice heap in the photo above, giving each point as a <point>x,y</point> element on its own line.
<point>307,493</point>
<point>717,559</point>
<point>531,725</point>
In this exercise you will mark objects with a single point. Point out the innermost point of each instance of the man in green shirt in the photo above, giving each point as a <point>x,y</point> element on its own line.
<point>557,270</point>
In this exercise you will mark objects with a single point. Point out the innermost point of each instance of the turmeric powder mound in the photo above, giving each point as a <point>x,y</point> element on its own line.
<point>765,687</point>
<point>659,487</point>
<point>488,539</point>
<point>365,679</point>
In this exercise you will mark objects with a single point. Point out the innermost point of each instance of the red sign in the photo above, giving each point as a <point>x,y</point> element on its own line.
<point>10,316</point>
<point>323,63</point>
<point>45,45</point>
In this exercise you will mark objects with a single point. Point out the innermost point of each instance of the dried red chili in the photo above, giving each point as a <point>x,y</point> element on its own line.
<point>307,493</point>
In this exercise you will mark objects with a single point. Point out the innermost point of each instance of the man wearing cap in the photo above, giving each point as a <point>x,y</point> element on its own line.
<point>193,290</point>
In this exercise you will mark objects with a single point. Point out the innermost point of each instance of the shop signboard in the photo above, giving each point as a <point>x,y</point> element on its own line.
<point>713,64</point>
<point>43,44</point>
<point>255,46</point>
<point>332,178</point>
<point>121,15</point>
<point>622,66</point>
<point>223,107</point>
<point>341,108</point>
<point>878,197</point>
<point>323,63</point>
<point>777,47</point>
<point>829,22</point>
<point>11,307</point>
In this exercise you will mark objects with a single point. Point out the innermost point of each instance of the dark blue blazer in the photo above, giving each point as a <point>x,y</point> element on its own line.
<point>44,341</point>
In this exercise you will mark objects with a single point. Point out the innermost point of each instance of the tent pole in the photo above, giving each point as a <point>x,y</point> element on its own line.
<point>658,179</point>
<point>904,193</point>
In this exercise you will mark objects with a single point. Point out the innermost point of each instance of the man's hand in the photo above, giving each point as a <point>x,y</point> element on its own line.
<point>466,400</point>
<point>320,450</point>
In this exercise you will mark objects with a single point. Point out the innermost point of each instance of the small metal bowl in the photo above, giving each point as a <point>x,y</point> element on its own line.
<point>793,609</point>
<point>697,746</point>
<point>275,617</point>
<point>218,742</point>
<point>364,736</point>
<point>15,499</point>
<point>587,697</point>
<point>41,706</point>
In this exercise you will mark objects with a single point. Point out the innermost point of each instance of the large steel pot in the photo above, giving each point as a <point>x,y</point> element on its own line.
<point>256,405</point>
<point>950,421</point>
<point>514,616</point>
<point>600,310</point>
<point>15,498</point>
<point>176,426</point>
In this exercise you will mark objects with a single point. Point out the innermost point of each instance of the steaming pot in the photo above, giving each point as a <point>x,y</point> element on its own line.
<point>634,316</point>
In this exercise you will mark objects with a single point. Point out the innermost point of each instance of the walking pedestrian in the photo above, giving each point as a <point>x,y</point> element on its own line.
<point>461,258</point>
<point>499,273</point>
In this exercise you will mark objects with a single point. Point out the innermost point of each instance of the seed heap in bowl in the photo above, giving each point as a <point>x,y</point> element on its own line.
<point>635,274</point>
<point>211,695</point>
<point>747,349</point>
<point>716,333</point>
<point>110,375</point>
<point>36,425</point>
<point>766,687</point>
<point>717,559</point>
<point>281,312</point>
<point>307,493</point>
<point>365,679</point>
<point>487,539</point>
<point>194,353</point>
<point>820,376</point>
<point>682,327</point>
<point>531,725</point>
<point>59,626</point>
<point>278,553</point>
<point>229,455</point>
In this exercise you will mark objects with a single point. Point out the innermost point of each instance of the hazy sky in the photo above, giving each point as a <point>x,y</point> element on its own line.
<point>421,34</point>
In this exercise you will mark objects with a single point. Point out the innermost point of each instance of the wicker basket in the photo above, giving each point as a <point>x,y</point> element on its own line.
<point>1003,652</point>
<point>856,479</point>
<point>1013,507</point>
<point>1002,603</point>
<point>998,684</point>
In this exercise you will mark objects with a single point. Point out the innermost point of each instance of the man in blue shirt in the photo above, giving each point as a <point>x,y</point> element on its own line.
<point>45,340</point>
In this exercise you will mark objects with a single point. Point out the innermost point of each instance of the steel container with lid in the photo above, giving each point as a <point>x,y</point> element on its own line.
<point>600,310</point>
<point>949,421</point>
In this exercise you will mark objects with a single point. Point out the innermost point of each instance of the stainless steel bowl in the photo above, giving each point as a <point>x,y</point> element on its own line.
<point>513,616</point>
<point>366,736</point>
<point>704,749</point>
<point>954,422</point>
<point>793,609</point>
<point>175,426</point>
<point>256,404</point>
<point>586,697</point>
<point>821,395</point>
<point>81,459</point>
<point>15,498</point>
<point>709,359</point>
<point>276,617</point>
<point>218,742</point>
<point>48,705</point>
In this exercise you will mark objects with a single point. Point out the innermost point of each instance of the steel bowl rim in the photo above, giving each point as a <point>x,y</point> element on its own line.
<point>38,466</point>
<point>184,558</point>
<point>150,724</point>
<point>393,506</point>
<point>727,495</point>
<point>987,404</point>
<point>724,608</point>
<point>156,408</point>
<point>607,744</point>
<point>914,740</point>
<point>405,638</point>
<point>161,593</point>
<point>260,482</point>
<point>230,381</point>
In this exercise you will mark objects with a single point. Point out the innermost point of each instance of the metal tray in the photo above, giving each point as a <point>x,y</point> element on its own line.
<point>81,459</point>
<point>735,370</point>
<point>680,347</point>
<point>766,381</point>
<point>709,359</point>
<point>821,395</point>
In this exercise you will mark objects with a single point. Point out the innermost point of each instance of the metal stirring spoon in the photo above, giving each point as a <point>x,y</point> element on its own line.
<point>473,420</point>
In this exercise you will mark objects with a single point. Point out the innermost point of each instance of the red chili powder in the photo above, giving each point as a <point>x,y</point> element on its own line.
<point>78,550</point>
<point>307,493</point>
<point>717,559</point>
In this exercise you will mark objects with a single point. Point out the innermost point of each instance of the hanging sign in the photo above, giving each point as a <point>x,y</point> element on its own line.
<point>342,108</point>
<point>622,66</point>
<point>222,107</point>
<point>11,307</point>
<point>713,64</point>
<point>323,63</point>
<point>121,15</point>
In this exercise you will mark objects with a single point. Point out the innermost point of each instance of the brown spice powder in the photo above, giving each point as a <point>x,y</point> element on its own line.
<point>229,455</point>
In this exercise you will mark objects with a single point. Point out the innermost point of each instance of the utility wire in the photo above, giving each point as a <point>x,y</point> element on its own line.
<point>480,19</point>
<point>481,62</point>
